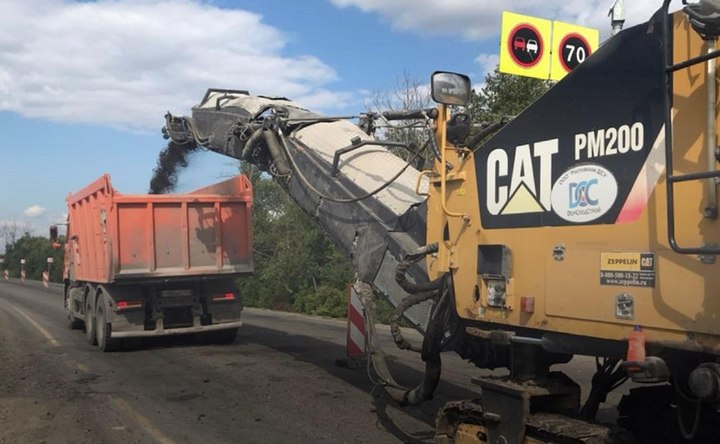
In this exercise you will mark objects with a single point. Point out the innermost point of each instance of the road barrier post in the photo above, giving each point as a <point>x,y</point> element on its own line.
<point>356,348</point>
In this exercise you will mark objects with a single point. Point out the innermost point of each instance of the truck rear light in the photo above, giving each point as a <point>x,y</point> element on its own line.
<point>126,305</point>
<point>224,297</point>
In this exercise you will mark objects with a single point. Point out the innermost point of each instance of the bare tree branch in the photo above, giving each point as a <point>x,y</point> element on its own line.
<point>10,232</point>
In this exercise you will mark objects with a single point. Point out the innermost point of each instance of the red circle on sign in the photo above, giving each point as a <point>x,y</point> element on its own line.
<point>569,63</point>
<point>525,45</point>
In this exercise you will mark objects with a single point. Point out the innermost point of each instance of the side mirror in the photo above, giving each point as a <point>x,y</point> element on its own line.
<point>450,88</point>
<point>53,233</point>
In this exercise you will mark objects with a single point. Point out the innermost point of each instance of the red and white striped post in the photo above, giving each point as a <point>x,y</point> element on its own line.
<point>46,274</point>
<point>356,334</point>
<point>7,275</point>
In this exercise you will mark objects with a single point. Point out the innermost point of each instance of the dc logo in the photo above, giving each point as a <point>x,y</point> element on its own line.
<point>580,193</point>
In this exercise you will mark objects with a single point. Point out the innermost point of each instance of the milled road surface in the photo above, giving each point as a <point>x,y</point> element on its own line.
<point>276,383</point>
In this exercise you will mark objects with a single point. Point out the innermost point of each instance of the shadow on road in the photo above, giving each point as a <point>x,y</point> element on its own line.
<point>323,355</point>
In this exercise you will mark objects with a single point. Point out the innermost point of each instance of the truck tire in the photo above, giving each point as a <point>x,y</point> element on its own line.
<point>104,328</point>
<point>90,321</point>
<point>73,323</point>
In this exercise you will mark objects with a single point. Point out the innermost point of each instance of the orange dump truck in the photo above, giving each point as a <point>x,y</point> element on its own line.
<point>149,265</point>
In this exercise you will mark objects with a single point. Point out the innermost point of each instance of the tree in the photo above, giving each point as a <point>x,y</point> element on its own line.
<point>409,93</point>
<point>10,232</point>
<point>297,267</point>
<point>35,250</point>
<point>503,96</point>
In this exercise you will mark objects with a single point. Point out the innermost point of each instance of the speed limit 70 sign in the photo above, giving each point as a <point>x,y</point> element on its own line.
<point>571,45</point>
<point>526,47</point>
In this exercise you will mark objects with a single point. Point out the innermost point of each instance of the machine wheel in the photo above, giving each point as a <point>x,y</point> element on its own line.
<point>463,421</point>
<point>104,328</point>
<point>73,323</point>
<point>90,330</point>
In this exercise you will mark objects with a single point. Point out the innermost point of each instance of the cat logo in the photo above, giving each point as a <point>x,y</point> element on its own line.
<point>530,185</point>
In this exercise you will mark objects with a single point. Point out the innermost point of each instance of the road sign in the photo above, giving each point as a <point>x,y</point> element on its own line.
<point>571,45</point>
<point>22,261</point>
<point>524,46</point>
<point>50,260</point>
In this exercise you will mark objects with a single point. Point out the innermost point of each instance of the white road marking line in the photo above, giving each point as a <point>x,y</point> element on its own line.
<point>37,326</point>
<point>81,367</point>
<point>143,421</point>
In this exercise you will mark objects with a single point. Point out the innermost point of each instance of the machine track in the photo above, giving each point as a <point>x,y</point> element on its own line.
<point>463,422</point>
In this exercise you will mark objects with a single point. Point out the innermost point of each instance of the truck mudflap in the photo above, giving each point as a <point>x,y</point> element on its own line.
<point>176,331</point>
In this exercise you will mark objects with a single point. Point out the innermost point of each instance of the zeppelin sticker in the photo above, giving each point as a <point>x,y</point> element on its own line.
<point>628,269</point>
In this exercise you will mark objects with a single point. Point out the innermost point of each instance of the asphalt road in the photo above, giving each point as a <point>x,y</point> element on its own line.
<point>277,382</point>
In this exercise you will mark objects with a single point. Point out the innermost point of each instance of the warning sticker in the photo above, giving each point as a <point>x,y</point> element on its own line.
<point>627,269</point>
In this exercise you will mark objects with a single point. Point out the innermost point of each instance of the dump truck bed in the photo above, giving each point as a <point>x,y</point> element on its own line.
<point>116,237</point>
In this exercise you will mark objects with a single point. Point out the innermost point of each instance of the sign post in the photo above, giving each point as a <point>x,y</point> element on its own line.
<point>46,274</point>
<point>22,270</point>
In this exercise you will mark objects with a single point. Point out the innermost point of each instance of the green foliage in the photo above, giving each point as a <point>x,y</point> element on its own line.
<point>324,301</point>
<point>504,96</point>
<point>35,250</point>
<point>297,267</point>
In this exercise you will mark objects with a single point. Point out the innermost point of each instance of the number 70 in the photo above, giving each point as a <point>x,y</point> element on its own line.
<point>578,51</point>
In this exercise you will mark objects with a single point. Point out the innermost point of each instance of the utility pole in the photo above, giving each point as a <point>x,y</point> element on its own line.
<point>617,17</point>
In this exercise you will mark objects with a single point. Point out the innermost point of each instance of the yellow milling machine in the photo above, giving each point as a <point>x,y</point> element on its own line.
<point>587,225</point>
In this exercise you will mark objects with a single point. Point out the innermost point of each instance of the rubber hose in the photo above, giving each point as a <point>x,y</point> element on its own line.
<point>251,144</point>
<point>281,163</point>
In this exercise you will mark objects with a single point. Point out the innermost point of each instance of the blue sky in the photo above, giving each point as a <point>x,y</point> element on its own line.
<point>84,85</point>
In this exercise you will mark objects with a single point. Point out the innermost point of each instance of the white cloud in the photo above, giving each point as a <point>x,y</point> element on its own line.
<point>59,218</point>
<point>475,20</point>
<point>125,62</point>
<point>487,63</point>
<point>34,211</point>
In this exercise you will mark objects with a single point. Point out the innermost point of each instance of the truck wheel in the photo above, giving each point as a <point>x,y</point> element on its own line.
<point>90,322</point>
<point>104,328</point>
<point>73,323</point>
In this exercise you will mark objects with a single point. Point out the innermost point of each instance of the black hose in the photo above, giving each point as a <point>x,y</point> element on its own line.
<point>307,183</point>
<point>402,307</point>
<point>474,143</point>
<point>407,261</point>
<point>281,163</point>
<point>432,345</point>
<point>252,144</point>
